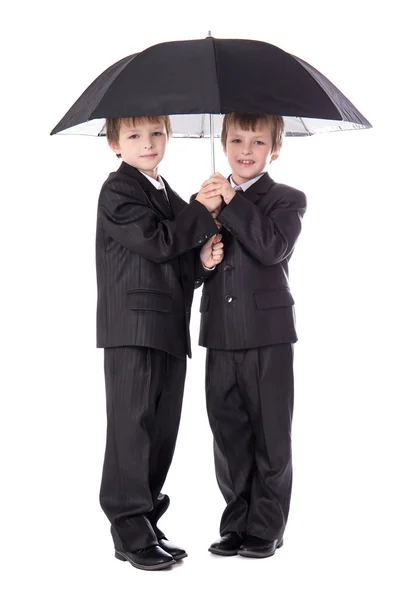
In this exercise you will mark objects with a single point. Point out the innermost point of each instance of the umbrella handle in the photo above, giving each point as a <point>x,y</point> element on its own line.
<point>212,144</point>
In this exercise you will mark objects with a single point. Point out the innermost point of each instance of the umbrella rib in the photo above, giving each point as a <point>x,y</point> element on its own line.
<point>111,84</point>
<point>346,110</point>
<point>216,73</point>
<point>202,127</point>
<point>304,65</point>
<point>305,126</point>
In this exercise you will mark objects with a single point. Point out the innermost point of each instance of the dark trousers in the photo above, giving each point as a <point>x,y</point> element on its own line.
<point>144,391</point>
<point>250,406</point>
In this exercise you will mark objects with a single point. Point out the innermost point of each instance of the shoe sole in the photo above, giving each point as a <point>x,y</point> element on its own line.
<point>249,554</point>
<point>180,556</point>
<point>223,552</point>
<point>122,556</point>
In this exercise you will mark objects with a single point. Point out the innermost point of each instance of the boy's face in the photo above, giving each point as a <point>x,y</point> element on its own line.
<point>142,145</point>
<point>249,152</point>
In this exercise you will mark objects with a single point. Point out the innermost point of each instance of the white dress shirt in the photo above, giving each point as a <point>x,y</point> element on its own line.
<point>244,186</point>
<point>158,184</point>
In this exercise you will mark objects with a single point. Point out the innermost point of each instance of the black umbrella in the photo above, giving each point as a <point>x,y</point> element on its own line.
<point>213,76</point>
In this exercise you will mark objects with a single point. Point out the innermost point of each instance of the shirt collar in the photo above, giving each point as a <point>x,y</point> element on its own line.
<point>245,186</point>
<point>158,183</point>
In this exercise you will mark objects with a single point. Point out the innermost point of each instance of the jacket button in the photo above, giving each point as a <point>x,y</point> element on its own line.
<point>228,298</point>
<point>200,240</point>
<point>227,268</point>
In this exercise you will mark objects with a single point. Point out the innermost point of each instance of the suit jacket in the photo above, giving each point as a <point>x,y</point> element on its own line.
<point>246,302</point>
<point>147,260</point>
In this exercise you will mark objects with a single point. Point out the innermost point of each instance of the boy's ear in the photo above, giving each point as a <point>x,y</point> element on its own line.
<point>274,155</point>
<point>114,146</point>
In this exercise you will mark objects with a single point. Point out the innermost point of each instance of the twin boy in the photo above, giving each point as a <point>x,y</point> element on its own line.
<point>153,249</point>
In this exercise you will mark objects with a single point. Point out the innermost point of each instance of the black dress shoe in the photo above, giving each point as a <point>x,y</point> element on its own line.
<point>228,544</point>
<point>176,552</point>
<point>254,547</point>
<point>148,559</point>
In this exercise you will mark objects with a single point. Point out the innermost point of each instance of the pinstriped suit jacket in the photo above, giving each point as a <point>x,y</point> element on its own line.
<point>147,259</point>
<point>246,302</point>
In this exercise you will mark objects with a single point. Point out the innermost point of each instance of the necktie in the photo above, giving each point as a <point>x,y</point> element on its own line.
<point>164,192</point>
<point>237,188</point>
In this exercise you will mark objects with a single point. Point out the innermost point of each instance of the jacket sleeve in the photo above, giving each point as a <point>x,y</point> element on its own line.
<point>201,274</point>
<point>127,218</point>
<point>270,237</point>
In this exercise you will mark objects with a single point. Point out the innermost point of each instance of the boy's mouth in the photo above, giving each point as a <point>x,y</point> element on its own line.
<point>246,163</point>
<point>148,155</point>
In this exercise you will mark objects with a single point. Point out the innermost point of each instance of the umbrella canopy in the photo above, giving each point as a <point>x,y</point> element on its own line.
<point>193,78</point>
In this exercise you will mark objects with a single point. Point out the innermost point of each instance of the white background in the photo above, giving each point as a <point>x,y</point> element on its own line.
<point>343,532</point>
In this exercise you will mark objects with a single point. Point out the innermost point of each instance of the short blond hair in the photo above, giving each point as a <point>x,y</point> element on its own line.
<point>249,122</point>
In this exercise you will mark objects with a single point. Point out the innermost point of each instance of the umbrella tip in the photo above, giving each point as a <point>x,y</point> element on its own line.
<point>209,34</point>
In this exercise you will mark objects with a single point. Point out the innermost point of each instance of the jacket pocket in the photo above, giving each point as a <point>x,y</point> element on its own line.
<point>149,300</point>
<point>265,299</point>
<point>204,302</point>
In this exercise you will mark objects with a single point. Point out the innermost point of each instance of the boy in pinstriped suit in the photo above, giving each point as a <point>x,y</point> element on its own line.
<point>152,249</point>
<point>248,328</point>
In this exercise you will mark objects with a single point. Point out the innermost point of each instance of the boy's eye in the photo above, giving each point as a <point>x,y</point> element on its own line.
<point>260,143</point>
<point>236,141</point>
<point>157,133</point>
<point>133,136</point>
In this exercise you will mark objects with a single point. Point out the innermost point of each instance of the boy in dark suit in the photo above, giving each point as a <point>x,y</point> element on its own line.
<point>248,328</point>
<point>151,248</point>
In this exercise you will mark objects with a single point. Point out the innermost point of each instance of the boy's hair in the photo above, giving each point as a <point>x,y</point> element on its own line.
<point>113,125</point>
<point>247,122</point>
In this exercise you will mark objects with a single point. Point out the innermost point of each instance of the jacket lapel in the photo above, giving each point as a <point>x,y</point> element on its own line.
<point>186,260</point>
<point>176,202</point>
<point>259,188</point>
<point>158,200</point>
<point>155,196</point>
